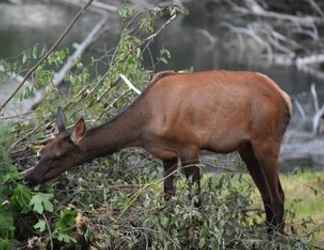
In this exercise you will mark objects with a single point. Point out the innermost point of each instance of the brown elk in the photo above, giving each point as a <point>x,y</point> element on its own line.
<point>177,116</point>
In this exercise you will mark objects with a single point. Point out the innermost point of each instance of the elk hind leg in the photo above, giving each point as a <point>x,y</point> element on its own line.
<point>259,178</point>
<point>267,154</point>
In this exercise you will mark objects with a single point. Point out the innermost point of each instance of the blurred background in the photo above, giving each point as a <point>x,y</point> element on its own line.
<point>272,37</point>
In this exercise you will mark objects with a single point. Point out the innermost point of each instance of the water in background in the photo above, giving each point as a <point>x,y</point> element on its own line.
<point>191,47</point>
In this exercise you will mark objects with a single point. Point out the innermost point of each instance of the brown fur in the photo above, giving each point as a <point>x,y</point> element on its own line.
<point>180,114</point>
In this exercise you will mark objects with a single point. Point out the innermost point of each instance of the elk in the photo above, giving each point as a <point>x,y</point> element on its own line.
<point>180,114</point>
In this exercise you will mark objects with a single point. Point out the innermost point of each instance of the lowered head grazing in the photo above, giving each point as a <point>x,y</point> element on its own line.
<point>59,154</point>
<point>181,114</point>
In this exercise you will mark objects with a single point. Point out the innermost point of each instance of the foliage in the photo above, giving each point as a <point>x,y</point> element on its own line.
<point>64,227</point>
<point>224,220</point>
<point>19,203</point>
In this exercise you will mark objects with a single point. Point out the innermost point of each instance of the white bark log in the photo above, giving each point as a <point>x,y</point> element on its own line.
<point>313,59</point>
<point>59,76</point>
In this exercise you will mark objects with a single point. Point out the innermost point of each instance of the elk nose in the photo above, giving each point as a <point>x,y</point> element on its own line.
<point>28,177</point>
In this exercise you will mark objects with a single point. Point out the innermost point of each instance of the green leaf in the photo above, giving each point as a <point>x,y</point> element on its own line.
<point>66,238</point>
<point>5,244</point>
<point>21,198</point>
<point>41,202</point>
<point>7,227</point>
<point>65,226</point>
<point>11,175</point>
<point>40,226</point>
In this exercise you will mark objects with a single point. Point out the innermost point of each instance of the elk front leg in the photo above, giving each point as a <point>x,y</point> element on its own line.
<point>189,162</point>
<point>169,171</point>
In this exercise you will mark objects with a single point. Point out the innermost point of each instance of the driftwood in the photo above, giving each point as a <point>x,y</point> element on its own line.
<point>253,8</point>
<point>277,33</point>
<point>72,60</point>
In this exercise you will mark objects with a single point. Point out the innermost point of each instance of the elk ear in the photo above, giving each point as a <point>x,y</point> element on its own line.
<point>79,131</point>
<point>60,120</point>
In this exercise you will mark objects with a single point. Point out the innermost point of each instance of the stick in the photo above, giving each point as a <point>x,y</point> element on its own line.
<point>48,53</point>
<point>49,231</point>
<point>96,6</point>
<point>316,7</point>
<point>305,20</point>
<point>151,37</point>
<point>300,110</point>
<point>129,84</point>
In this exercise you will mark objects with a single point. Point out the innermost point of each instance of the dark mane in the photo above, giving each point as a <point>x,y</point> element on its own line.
<point>160,75</point>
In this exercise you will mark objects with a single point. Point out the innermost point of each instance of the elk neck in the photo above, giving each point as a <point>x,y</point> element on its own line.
<point>121,132</point>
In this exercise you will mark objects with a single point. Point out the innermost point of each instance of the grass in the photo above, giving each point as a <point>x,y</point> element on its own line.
<point>304,199</point>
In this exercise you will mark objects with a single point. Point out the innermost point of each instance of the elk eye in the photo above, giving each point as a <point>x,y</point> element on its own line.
<point>58,155</point>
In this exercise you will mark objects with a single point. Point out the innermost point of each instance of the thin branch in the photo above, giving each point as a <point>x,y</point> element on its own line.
<point>305,20</point>
<point>48,53</point>
<point>129,84</point>
<point>49,231</point>
<point>151,37</point>
<point>316,7</point>
<point>96,6</point>
<point>300,109</point>
<point>16,116</point>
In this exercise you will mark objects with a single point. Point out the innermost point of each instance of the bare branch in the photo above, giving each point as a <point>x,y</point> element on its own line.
<point>96,6</point>
<point>259,11</point>
<point>300,109</point>
<point>129,84</point>
<point>316,7</point>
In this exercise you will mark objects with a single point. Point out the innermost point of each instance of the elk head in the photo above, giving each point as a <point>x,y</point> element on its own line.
<point>59,154</point>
